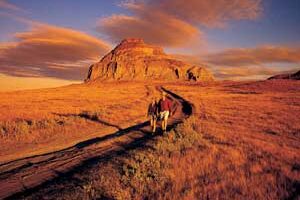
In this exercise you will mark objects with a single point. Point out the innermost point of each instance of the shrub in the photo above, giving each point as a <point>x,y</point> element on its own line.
<point>141,173</point>
<point>91,115</point>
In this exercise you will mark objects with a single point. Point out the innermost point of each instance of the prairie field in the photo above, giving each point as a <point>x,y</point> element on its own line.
<point>37,121</point>
<point>241,141</point>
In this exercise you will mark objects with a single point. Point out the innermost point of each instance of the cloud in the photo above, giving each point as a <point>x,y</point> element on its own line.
<point>154,27</point>
<point>4,4</point>
<point>50,51</point>
<point>210,13</point>
<point>255,56</point>
<point>253,72</point>
<point>252,63</point>
<point>175,23</point>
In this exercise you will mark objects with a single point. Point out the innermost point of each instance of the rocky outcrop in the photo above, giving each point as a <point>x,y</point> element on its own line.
<point>132,59</point>
<point>295,76</point>
<point>199,74</point>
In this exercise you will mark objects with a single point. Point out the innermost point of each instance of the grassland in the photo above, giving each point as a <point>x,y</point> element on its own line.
<point>38,121</point>
<point>242,142</point>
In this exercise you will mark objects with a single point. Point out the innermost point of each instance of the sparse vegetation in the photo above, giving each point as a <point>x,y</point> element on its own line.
<point>241,143</point>
<point>72,113</point>
<point>192,162</point>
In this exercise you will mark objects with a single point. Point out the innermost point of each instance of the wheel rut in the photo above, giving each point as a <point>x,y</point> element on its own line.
<point>22,175</point>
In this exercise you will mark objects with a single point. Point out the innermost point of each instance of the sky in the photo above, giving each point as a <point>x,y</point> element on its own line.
<point>53,42</point>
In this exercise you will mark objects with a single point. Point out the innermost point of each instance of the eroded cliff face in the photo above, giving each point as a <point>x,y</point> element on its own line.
<point>132,59</point>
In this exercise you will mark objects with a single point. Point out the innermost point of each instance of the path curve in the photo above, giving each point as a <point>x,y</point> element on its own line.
<point>22,175</point>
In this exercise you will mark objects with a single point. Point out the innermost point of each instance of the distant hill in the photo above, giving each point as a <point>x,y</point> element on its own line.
<point>294,76</point>
<point>133,59</point>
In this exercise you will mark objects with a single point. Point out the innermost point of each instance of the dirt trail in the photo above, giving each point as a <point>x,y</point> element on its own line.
<point>20,175</point>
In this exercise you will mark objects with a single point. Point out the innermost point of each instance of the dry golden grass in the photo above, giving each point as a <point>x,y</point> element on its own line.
<point>31,119</point>
<point>253,130</point>
<point>241,143</point>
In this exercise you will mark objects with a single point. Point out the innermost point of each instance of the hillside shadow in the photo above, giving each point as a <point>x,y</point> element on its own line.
<point>89,117</point>
<point>68,177</point>
<point>107,156</point>
<point>79,145</point>
<point>119,133</point>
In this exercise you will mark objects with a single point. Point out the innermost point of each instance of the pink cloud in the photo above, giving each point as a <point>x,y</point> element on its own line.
<point>51,51</point>
<point>248,63</point>
<point>255,56</point>
<point>4,4</point>
<point>175,23</point>
<point>209,13</point>
<point>154,27</point>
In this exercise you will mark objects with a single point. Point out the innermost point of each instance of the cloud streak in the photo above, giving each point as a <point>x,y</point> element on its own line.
<point>248,63</point>
<point>255,56</point>
<point>212,13</point>
<point>50,51</point>
<point>4,4</point>
<point>253,72</point>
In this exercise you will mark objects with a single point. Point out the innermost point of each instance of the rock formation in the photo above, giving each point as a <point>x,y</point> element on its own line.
<point>295,76</point>
<point>132,59</point>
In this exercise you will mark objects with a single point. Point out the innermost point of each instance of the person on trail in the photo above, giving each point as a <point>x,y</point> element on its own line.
<point>153,113</point>
<point>165,106</point>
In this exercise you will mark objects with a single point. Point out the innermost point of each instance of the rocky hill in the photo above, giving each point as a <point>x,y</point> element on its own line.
<point>133,59</point>
<point>294,76</point>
